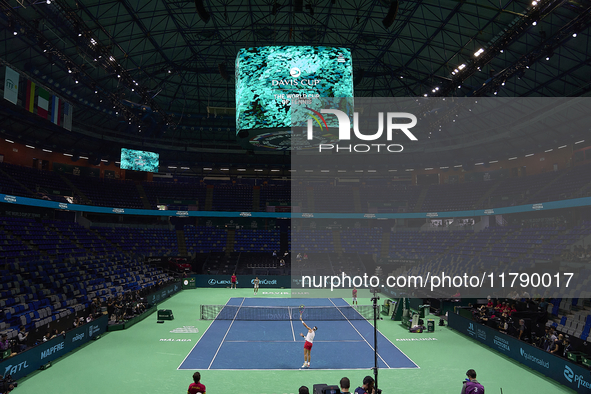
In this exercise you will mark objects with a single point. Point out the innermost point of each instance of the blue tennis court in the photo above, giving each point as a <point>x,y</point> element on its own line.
<point>277,345</point>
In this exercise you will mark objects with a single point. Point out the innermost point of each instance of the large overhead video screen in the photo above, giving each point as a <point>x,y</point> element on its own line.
<point>139,160</point>
<point>270,79</point>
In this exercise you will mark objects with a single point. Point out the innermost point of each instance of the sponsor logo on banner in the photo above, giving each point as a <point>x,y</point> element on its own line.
<point>118,210</point>
<point>579,380</point>
<point>245,214</point>
<point>502,344</point>
<point>481,334</point>
<point>182,213</point>
<point>63,205</point>
<point>265,282</point>
<point>10,198</point>
<point>93,330</point>
<point>14,368</point>
<point>54,349</point>
<point>529,357</point>
<point>432,214</point>
<point>489,211</point>
<point>369,215</point>
<point>212,282</point>
<point>471,329</point>
<point>307,215</point>
<point>78,337</point>
<point>537,206</point>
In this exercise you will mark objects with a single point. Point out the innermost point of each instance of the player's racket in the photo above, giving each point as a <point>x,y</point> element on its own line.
<point>302,307</point>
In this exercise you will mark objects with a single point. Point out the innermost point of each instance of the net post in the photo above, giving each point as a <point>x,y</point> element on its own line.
<point>375,339</point>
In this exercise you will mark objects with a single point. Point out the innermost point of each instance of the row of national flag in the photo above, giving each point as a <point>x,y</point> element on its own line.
<point>48,106</point>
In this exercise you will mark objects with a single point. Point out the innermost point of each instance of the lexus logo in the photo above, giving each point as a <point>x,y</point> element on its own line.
<point>211,282</point>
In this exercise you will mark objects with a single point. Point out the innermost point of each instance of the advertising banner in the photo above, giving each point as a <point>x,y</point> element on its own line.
<point>31,360</point>
<point>220,281</point>
<point>560,369</point>
<point>162,294</point>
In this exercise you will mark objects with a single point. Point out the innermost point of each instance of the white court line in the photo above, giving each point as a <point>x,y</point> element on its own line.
<point>222,342</point>
<point>203,335</point>
<point>368,344</point>
<point>279,341</point>
<point>299,369</point>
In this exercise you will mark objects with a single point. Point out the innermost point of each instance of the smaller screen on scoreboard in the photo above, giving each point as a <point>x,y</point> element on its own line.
<point>139,160</point>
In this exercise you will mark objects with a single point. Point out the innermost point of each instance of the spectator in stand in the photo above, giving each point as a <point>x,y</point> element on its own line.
<point>22,339</point>
<point>512,309</point>
<point>559,346</point>
<point>522,327</point>
<point>551,340</point>
<point>303,390</point>
<point>498,308</point>
<point>543,305</point>
<point>4,343</point>
<point>196,386</point>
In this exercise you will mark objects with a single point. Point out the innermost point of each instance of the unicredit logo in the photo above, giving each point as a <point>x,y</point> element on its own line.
<point>265,282</point>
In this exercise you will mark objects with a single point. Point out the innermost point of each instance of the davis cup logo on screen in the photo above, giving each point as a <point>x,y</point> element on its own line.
<point>392,122</point>
<point>295,72</point>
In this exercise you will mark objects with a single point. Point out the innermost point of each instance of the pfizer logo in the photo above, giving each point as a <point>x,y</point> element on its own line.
<point>211,282</point>
<point>568,373</point>
<point>295,72</point>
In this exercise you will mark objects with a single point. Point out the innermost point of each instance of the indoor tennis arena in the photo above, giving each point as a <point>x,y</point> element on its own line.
<point>295,196</point>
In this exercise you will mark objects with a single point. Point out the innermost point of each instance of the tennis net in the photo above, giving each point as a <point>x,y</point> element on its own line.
<point>286,313</point>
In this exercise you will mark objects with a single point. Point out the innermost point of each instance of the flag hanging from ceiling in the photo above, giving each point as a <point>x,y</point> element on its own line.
<point>68,110</point>
<point>11,82</point>
<point>43,103</point>
<point>30,99</point>
<point>55,110</point>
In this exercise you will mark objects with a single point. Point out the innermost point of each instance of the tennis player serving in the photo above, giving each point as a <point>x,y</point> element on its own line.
<point>308,344</point>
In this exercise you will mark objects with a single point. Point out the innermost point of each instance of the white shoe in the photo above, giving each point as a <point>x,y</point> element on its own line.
<point>308,365</point>
<point>305,365</point>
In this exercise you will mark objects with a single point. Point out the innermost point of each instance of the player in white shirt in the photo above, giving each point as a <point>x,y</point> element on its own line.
<point>308,344</point>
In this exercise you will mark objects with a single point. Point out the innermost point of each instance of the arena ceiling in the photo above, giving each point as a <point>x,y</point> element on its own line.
<point>159,74</point>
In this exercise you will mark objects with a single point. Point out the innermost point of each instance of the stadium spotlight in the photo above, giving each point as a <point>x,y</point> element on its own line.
<point>391,15</point>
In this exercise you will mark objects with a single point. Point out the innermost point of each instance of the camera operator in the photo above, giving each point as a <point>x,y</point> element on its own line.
<point>504,323</point>
<point>471,385</point>
<point>368,386</point>
<point>7,384</point>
